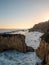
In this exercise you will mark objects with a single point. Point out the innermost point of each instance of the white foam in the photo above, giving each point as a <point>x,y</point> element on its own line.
<point>33,39</point>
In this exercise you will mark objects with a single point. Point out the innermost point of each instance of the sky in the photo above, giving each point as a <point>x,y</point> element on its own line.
<point>23,14</point>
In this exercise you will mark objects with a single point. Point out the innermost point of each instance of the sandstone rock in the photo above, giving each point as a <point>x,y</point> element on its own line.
<point>43,50</point>
<point>13,42</point>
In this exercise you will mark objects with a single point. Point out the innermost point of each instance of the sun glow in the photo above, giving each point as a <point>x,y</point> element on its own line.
<point>47,19</point>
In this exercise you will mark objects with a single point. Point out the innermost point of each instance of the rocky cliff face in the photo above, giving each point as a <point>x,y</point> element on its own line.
<point>13,42</point>
<point>43,50</point>
<point>40,27</point>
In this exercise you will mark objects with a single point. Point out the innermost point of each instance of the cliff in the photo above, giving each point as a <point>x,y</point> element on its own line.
<point>14,42</point>
<point>43,50</point>
<point>41,27</point>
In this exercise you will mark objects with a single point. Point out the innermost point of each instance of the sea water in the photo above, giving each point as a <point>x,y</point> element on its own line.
<point>17,58</point>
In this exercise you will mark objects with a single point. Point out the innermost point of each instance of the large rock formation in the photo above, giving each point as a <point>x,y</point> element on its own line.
<point>43,50</point>
<point>13,42</point>
<point>40,27</point>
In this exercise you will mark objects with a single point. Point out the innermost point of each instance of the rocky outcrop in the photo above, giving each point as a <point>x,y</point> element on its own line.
<point>29,49</point>
<point>41,27</point>
<point>43,50</point>
<point>14,42</point>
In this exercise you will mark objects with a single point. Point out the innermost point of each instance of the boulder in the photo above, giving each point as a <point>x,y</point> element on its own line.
<point>29,49</point>
<point>43,49</point>
<point>13,42</point>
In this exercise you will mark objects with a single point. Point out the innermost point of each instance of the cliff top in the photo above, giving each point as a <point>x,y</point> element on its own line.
<point>10,35</point>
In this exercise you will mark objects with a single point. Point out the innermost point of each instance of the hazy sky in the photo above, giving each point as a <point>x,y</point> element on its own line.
<point>23,13</point>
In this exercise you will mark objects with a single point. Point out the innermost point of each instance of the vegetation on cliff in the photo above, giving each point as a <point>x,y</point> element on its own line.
<point>45,37</point>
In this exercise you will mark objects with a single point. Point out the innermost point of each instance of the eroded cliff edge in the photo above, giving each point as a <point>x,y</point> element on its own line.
<point>43,49</point>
